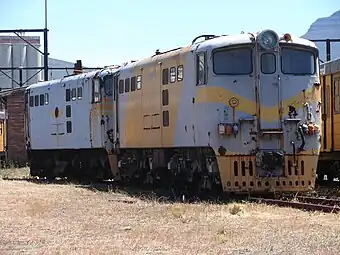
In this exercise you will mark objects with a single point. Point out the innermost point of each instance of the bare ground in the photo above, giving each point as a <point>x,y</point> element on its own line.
<point>70,219</point>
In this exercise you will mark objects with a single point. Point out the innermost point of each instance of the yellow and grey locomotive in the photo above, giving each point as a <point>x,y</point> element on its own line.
<point>239,113</point>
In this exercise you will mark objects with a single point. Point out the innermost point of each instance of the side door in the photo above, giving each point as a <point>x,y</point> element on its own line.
<point>38,115</point>
<point>61,97</point>
<point>270,100</point>
<point>95,112</point>
<point>31,122</point>
<point>115,110</point>
<point>269,84</point>
<point>108,115</point>
<point>151,104</point>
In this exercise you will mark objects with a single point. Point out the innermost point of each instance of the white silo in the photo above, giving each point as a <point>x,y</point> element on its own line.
<point>18,60</point>
<point>5,62</point>
<point>21,54</point>
<point>23,62</point>
<point>33,60</point>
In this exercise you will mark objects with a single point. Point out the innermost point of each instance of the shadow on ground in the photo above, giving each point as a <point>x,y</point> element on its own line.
<point>143,192</point>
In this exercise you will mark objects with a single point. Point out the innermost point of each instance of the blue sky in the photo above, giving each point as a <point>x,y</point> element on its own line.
<point>107,32</point>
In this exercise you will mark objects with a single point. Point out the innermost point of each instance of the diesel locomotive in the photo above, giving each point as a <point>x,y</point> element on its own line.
<point>237,113</point>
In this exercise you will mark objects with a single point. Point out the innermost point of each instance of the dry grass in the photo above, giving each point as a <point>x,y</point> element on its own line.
<point>66,219</point>
<point>12,172</point>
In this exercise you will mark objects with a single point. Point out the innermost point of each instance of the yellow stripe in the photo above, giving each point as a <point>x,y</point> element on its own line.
<point>215,94</point>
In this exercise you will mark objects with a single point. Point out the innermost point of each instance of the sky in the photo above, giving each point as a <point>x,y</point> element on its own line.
<point>107,32</point>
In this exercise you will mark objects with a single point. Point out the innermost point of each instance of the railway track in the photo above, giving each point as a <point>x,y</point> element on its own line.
<point>308,203</point>
<point>304,203</point>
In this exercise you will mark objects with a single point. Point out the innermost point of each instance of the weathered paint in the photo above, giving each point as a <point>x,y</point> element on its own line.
<point>300,179</point>
<point>196,110</point>
<point>141,110</point>
<point>91,121</point>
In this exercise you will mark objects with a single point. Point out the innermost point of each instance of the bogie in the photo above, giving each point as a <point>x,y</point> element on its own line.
<point>73,164</point>
<point>184,169</point>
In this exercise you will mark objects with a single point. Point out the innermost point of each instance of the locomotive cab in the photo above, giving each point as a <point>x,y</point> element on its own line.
<point>268,116</point>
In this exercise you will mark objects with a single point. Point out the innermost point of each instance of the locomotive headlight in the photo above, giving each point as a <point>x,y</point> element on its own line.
<point>268,39</point>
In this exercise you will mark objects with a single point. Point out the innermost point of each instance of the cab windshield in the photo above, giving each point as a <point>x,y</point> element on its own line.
<point>298,61</point>
<point>233,61</point>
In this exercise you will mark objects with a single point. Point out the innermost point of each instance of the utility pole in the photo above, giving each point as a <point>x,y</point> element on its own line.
<point>46,45</point>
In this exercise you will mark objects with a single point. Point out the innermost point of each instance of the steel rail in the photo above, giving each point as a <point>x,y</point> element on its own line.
<point>297,205</point>
<point>319,200</point>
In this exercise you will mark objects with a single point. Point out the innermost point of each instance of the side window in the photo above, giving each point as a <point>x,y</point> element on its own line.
<point>121,87</point>
<point>31,101</point>
<point>337,96</point>
<point>80,92</point>
<point>328,98</point>
<point>165,118</point>
<point>165,76</point>
<point>268,63</point>
<point>165,97</point>
<point>42,99</point>
<point>127,84</point>
<point>36,100</point>
<point>201,67</point>
<point>139,82</point>
<point>68,126</point>
<point>68,95</point>
<point>336,88</point>
<point>172,74</point>
<point>46,98</point>
<point>95,91</point>
<point>108,85</point>
<point>74,94</point>
<point>68,111</point>
<point>180,73</point>
<point>133,83</point>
